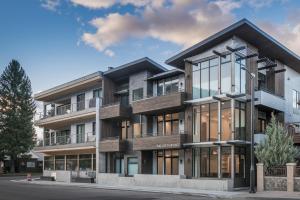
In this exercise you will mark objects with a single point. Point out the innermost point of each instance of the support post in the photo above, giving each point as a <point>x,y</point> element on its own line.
<point>260,177</point>
<point>97,136</point>
<point>290,171</point>
<point>252,172</point>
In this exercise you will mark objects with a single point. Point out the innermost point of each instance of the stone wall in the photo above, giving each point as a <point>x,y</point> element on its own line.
<point>272,183</point>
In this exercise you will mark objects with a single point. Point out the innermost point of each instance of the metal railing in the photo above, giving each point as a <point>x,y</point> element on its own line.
<point>67,109</point>
<point>276,171</point>
<point>145,135</point>
<point>297,171</point>
<point>69,139</point>
<point>180,90</point>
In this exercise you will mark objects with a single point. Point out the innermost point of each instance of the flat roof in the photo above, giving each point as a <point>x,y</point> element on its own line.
<point>169,73</point>
<point>249,32</point>
<point>69,87</point>
<point>127,69</point>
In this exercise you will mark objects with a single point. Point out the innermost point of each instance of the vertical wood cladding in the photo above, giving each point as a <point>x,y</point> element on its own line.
<point>108,91</point>
<point>188,80</point>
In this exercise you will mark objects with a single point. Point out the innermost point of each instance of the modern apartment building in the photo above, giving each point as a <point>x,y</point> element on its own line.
<point>185,127</point>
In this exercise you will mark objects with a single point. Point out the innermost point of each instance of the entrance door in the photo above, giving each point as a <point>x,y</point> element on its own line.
<point>80,133</point>
<point>132,166</point>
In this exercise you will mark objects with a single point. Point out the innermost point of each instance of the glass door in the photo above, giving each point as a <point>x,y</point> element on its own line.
<point>80,133</point>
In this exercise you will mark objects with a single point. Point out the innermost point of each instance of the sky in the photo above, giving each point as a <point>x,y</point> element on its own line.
<point>59,40</point>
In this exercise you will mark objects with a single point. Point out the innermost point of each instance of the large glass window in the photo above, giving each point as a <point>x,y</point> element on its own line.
<point>137,94</point>
<point>125,129</point>
<point>205,78</point>
<point>205,162</point>
<point>167,86</point>
<point>137,126</point>
<point>167,162</point>
<point>226,121</point>
<point>240,75</point>
<point>226,162</point>
<point>205,123</point>
<point>240,121</point>
<point>168,124</point>
<point>63,137</point>
<point>85,162</point>
<point>59,162</point>
<point>226,74</point>
<point>72,162</point>
<point>80,102</point>
<point>80,133</point>
<point>49,163</point>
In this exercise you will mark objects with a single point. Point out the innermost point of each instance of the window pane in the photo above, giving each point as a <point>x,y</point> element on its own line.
<point>196,84</point>
<point>85,162</point>
<point>160,88</point>
<point>137,94</point>
<point>168,86</point>
<point>175,82</point>
<point>204,80</point>
<point>213,122</point>
<point>196,126</point>
<point>175,166</point>
<point>160,165</point>
<point>204,134</point>
<point>168,166</point>
<point>80,133</point>
<point>213,80</point>
<point>213,162</point>
<point>49,163</point>
<point>204,162</point>
<point>175,127</point>
<point>226,162</point>
<point>226,121</point>
<point>168,128</point>
<point>237,77</point>
<point>72,162</point>
<point>59,162</point>
<point>132,166</point>
<point>226,77</point>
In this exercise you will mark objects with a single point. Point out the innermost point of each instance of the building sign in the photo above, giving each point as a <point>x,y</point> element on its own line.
<point>166,146</point>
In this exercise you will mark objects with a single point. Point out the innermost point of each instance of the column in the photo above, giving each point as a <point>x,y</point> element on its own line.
<point>290,170</point>
<point>260,177</point>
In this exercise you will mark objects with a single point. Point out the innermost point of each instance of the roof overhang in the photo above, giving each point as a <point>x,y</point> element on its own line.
<point>124,71</point>
<point>170,73</point>
<point>250,33</point>
<point>85,82</point>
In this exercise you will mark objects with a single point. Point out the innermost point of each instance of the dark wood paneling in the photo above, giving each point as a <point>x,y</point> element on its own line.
<point>115,111</point>
<point>188,80</point>
<point>188,167</point>
<point>108,91</point>
<point>159,142</point>
<point>159,103</point>
<point>112,145</point>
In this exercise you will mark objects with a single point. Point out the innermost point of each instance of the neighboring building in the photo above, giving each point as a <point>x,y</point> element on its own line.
<point>191,123</point>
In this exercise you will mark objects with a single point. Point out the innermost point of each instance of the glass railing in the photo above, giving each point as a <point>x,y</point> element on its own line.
<point>68,139</point>
<point>67,109</point>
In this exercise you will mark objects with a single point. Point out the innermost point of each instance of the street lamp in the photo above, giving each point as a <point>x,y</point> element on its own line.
<point>252,174</point>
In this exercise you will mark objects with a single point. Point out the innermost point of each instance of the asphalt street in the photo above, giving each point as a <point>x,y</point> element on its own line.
<point>23,191</point>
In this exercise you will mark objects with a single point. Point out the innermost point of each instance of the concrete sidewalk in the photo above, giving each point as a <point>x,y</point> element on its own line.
<point>207,193</point>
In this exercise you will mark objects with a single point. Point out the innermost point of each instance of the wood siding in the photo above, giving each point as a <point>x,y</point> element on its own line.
<point>112,145</point>
<point>159,142</point>
<point>158,103</point>
<point>114,111</point>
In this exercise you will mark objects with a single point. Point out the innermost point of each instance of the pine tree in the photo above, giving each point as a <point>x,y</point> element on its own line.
<point>16,112</point>
<point>278,147</point>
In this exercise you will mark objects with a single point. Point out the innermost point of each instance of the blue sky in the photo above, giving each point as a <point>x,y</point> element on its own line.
<point>59,40</point>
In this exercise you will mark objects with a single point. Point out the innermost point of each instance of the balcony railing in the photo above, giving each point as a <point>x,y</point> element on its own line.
<point>165,94</point>
<point>146,135</point>
<point>67,109</point>
<point>67,139</point>
<point>276,171</point>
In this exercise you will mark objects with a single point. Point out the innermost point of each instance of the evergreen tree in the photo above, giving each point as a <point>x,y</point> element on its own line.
<point>16,112</point>
<point>278,147</point>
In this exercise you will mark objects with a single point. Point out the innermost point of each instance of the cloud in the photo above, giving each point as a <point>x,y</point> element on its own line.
<point>181,22</point>
<point>109,53</point>
<point>50,4</point>
<point>94,4</point>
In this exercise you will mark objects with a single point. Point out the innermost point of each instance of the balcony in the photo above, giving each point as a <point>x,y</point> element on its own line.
<point>159,103</point>
<point>66,114</point>
<point>115,110</point>
<point>270,100</point>
<point>151,142</point>
<point>112,144</point>
<point>66,142</point>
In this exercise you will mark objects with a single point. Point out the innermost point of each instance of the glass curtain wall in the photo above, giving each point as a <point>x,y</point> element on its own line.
<point>205,162</point>
<point>205,78</point>
<point>226,74</point>
<point>240,74</point>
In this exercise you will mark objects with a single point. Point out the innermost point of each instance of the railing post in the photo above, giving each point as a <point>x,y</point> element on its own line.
<point>260,177</point>
<point>290,173</point>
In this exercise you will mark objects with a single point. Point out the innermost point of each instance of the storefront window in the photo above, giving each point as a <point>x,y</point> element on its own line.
<point>226,162</point>
<point>226,121</point>
<point>205,162</point>
<point>49,163</point>
<point>85,162</point>
<point>167,162</point>
<point>240,162</point>
<point>59,162</point>
<point>72,162</point>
